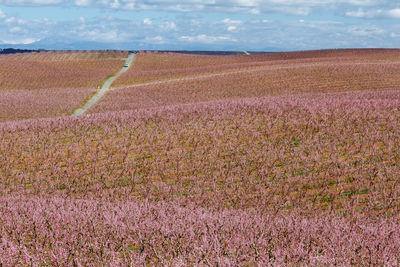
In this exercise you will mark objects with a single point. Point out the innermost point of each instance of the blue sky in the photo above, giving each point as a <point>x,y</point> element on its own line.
<point>254,25</point>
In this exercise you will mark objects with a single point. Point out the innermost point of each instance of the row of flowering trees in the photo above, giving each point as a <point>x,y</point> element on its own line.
<point>310,179</point>
<point>295,162</point>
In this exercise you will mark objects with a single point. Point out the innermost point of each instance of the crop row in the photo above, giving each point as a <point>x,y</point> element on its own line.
<point>40,71</point>
<point>65,232</point>
<point>68,55</point>
<point>299,78</point>
<point>308,153</point>
<point>152,67</point>
<point>41,103</point>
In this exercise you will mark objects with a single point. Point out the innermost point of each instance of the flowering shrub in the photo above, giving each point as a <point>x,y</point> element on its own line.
<point>308,152</point>
<point>59,231</point>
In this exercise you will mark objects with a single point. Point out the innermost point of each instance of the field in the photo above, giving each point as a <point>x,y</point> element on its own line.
<point>291,161</point>
<point>157,67</point>
<point>50,84</point>
<point>263,78</point>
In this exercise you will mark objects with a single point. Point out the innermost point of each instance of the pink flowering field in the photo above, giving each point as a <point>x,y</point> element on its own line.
<point>164,66</point>
<point>50,84</point>
<point>235,175</point>
<point>291,78</point>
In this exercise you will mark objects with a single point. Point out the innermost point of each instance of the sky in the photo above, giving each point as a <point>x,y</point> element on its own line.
<point>249,25</point>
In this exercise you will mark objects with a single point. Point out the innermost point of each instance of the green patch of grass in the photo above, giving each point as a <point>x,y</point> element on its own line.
<point>331,182</point>
<point>347,194</point>
<point>62,187</point>
<point>295,142</point>
<point>363,191</point>
<point>301,172</point>
<point>326,199</point>
<point>349,179</point>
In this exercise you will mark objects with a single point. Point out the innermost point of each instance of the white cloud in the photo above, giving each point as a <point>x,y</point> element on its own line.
<point>231,21</point>
<point>155,40</point>
<point>292,7</point>
<point>203,38</point>
<point>101,35</point>
<point>231,25</point>
<point>255,11</point>
<point>394,13</point>
<point>30,2</point>
<point>147,21</point>
<point>17,30</point>
<point>24,41</point>
<point>231,28</point>
<point>373,14</point>
<point>359,14</point>
<point>325,2</point>
<point>368,31</point>
<point>200,31</point>
<point>83,3</point>
<point>168,26</point>
<point>14,20</point>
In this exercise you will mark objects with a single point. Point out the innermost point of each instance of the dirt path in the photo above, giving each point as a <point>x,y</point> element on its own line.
<point>105,87</point>
<point>249,70</point>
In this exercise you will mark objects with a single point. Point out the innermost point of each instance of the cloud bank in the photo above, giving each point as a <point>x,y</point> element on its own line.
<point>294,7</point>
<point>187,24</point>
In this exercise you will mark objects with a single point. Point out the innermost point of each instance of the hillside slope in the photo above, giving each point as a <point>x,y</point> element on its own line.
<point>295,165</point>
<point>50,84</point>
<point>169,79</point>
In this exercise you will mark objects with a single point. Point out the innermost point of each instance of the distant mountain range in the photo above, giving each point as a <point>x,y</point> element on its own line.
<point>18,50</point>
<point>65,45</point>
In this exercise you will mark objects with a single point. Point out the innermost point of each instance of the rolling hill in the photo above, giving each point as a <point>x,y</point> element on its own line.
<point>239,160</point>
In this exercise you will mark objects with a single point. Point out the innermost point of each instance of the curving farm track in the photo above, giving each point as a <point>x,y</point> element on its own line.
<point>105,87</point>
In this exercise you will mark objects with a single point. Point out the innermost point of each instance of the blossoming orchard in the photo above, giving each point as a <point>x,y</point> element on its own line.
<point>269,159</point>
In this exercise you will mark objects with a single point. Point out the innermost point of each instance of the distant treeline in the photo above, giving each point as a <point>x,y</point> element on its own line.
<point>14,51</point>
